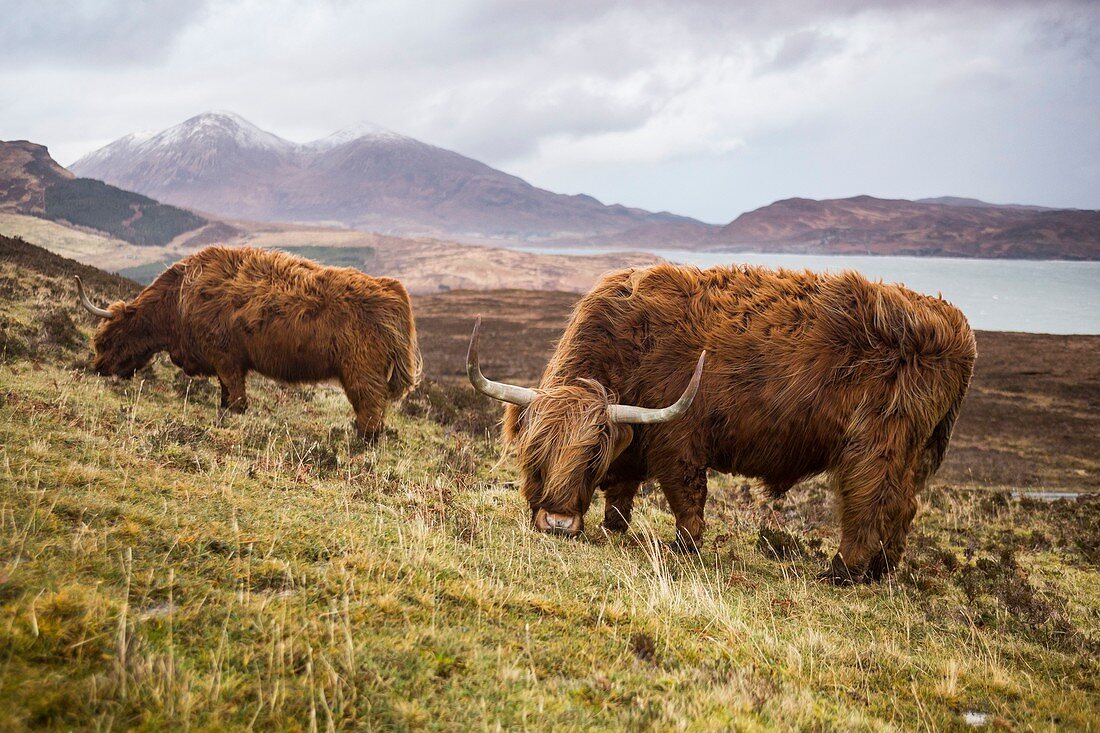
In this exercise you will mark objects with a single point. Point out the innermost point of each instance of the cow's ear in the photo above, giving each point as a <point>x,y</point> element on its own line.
<point>621,435</point>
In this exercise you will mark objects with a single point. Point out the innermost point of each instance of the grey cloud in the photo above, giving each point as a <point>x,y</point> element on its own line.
<point>94,32</point>
<point>524,122</point>
<point>800,48</point>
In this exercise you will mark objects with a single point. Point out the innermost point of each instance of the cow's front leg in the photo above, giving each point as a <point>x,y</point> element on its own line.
<point>234,398</point>
<point>618,503</point>
<point>686,491</point>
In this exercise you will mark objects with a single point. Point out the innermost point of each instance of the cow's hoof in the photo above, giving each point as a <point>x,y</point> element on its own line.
<point>878,568</point>
<point>684,546</point>
<point>839,574</point>
<point>615,524</point>
<point>370,439</point>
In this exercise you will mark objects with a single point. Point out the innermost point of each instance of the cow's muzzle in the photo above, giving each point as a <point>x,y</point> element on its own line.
<point>568,525</point>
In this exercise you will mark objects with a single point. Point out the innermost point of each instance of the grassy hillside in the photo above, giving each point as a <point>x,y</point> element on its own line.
<point>64,240</point>
<point>123,214</point>
<point>161,566</point>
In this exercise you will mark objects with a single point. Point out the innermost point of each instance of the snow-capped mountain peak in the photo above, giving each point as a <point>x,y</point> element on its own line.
<point>358,131</point>
<point>219,125</point>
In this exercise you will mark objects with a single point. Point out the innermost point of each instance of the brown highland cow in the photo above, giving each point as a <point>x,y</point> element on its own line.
<point>804,373</point>
<point>227,311</point>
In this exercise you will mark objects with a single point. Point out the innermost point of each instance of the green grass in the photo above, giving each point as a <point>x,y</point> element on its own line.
<point>147,272</point>
<point>161,567</point>
<point>336,256</point>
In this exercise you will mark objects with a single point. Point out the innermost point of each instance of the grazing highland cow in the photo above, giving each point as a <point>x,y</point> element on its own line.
<point>227,311</point>
<point>804,373</point>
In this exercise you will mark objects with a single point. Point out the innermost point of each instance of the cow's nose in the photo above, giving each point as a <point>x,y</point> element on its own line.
<point>563,524</point>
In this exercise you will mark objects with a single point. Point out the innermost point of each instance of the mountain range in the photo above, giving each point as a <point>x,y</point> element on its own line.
<point>106,226</point>
<point>369,178</point>
<point>364,177</point>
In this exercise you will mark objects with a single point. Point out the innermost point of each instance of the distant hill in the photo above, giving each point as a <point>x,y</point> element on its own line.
<point>364,177</point>
<point>31,182</point>
<point>951,228</point>
<point>978,203</point>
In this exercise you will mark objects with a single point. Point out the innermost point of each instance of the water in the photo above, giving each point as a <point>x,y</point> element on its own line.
<point>1034,296</point>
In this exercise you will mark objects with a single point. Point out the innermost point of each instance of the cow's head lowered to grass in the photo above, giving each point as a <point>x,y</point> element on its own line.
<point>567,436</point>
<point>129,335</point>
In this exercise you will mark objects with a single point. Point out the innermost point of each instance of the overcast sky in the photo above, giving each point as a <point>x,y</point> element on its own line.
<point>702,108</point>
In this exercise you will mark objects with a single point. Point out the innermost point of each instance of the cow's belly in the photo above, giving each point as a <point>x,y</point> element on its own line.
<point>292,358</point>
<point>192,364</point>
<point>779,450</point>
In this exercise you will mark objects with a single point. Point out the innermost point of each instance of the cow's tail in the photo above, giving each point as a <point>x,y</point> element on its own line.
<point>936,447</point>
<point>407,365</point>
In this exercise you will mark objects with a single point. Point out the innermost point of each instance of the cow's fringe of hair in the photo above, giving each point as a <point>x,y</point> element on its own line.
<point>569,430</point>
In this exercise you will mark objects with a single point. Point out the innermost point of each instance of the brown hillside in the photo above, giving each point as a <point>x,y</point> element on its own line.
<point>26,171</point>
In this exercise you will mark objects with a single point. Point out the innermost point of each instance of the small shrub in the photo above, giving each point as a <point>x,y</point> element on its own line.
<point>59,330</point>
<point>14,340</point>
<point>458,407</point>
<point>779,544</point>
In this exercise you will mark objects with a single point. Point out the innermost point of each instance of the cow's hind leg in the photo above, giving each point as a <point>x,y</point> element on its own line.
<point>366,391</point>
<point>618,503</point>
<point>877,497</point>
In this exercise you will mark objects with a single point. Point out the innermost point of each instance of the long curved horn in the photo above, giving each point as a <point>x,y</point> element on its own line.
<point>649,415</point>
<point>100,312</point>
<point>497,390</point>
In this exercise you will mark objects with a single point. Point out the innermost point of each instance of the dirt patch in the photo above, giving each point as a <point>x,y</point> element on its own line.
<point>644,647</point>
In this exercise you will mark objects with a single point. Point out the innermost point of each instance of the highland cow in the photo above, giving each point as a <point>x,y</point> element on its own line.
<point>227,311</point>
<point>804,373</point>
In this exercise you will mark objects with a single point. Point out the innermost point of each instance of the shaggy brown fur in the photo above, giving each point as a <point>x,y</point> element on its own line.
<point>805,373</point>
<point>227,311</point>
